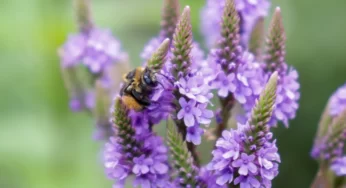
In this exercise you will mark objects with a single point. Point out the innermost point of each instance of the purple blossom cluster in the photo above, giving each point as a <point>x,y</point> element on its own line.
<point>238,160</point>
<point>193,103</point>
<point>95,49</point>
<point>245,79</point>
<point>249,10</point>
<point>339,166</point>
<point>195,97</point>
<point>337,102</point>
<point>148,162</point>
<point>330,140</point>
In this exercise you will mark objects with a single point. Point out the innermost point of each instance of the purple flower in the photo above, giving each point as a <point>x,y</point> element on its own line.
<point>141,165</point>
<point>226,177</point>
<point>189,112</point>
<point>115,161</point>
<point>209,179</point>
<point>337,102</point>
<point>247,181</point>
<point>206,115</point>
<point>139,121</point>
<point>243,78</point>
<point>224,83</point>
<point>73,50</point>
<point>101,50</point>
<point>249,10</point>
<point>193,88</point>
<point>249,79</point>
<point>339,166</point>
<point>194,134</point>
<point>267,157</point>
<point>96,49</point>
<point>228,145</point>
<point>245,164</point>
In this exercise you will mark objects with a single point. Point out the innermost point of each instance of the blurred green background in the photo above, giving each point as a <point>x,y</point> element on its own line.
<point>44,145</point>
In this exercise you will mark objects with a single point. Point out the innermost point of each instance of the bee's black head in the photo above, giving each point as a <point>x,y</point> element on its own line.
<point>149,78</point>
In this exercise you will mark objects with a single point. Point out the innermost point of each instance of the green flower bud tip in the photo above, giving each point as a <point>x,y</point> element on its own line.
<point>230,31</point>
<point>257,38</point>
<point>182,158</point>
<point>182,43</point>
<point>170,17</point>
<point>275,57</point>
<point>83,14</point>
<point>159,56</point>
<point>263,109</point>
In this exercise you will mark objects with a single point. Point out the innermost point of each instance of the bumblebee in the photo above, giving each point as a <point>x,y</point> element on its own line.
<point>138,86</point>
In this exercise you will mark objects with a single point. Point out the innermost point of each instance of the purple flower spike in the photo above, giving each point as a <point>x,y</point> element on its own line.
<point>142,154</point>
<point>249,150</point>
<point>249,10</point>
<point>189,112</point>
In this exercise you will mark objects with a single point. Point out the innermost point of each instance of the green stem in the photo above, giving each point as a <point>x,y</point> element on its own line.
<point>322,179</point>
<point>226,107</point>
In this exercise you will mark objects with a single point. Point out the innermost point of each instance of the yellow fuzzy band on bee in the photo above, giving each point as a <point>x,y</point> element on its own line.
<point>131,103</point>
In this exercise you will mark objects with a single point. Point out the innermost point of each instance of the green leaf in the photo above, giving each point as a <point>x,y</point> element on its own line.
<point>182,159</point>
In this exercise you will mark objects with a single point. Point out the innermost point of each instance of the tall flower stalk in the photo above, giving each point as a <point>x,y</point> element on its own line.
<point>229,51</point>
<point>328,147</point>
<point>88,57</point>
<point>237,77</point>
<point>288,86</point>
<point>247,156</point>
